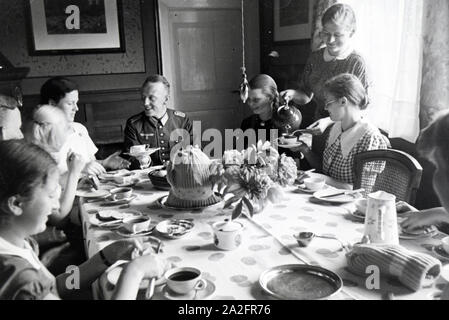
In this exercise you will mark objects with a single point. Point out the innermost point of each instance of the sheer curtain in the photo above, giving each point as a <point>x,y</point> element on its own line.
<point>389,36</point>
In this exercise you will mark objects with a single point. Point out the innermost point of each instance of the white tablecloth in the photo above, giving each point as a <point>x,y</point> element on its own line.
<point>267,242</point>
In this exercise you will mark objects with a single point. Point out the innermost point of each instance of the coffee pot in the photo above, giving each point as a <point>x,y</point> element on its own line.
<point>381,225</point>
<point>287,119</point>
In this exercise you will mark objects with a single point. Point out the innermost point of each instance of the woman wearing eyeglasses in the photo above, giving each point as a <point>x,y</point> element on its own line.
<point>339,56</point>
<point>344,99</point>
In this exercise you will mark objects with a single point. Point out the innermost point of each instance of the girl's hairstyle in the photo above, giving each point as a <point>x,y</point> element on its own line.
<point>24,166</point>
<point>157,78</point>
<point>56,88</point>
<point>349,86</point>
<point>48,128</point>
<point>268,86</point>
<point>436,136</point>
<point>341,14</point>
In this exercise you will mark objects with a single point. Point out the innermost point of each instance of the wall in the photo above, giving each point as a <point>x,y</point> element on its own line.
<point>91,71</point>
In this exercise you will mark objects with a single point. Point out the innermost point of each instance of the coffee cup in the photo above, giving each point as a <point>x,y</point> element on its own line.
<point>227,234</point>
<point>138,149</point>
<point>121,193</point>
<point>445,244</point>
<point>288,139</point>
<point>185,279</point>
<point>314,184</point>
<point>137,224</point>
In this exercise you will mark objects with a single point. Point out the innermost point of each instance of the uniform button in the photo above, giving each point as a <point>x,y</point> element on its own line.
<point>160,127</point>
<point>163,148</point>
<point>162,134</point>
<point>162,141</point>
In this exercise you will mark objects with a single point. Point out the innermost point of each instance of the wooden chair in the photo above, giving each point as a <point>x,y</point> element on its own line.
<point>401,175</point>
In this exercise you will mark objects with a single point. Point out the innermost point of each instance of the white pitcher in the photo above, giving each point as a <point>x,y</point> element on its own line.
<point>381,224</point>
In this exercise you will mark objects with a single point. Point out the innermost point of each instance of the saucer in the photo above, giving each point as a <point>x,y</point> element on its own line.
<point>289,145</point>
<point>148,152</point>
<point>129,184</point>
<point>113,174</point>
<point>122,231</point>
<point>193,295</point>
<point>440,253</point>
<point>117,215</point>
<point>302,187</point>
<point>121,201</point>
<point>424,233</point>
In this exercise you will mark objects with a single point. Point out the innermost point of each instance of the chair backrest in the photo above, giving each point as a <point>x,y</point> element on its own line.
<point>400,174</point>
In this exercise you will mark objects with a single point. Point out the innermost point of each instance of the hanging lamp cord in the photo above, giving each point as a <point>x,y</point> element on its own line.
<point>244,88</point>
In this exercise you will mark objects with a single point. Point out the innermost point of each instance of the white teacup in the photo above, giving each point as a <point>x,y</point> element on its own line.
<point>121,193</point>
<point>314,184</point>
<point>227,234</point>
<point>138,149</point>
<point>288,139</point>
<point>184,280</point>
<point>445,244</point>
<point>137,224</point>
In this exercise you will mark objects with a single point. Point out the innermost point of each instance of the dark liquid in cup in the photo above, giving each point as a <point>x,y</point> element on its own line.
<point>183,276</point>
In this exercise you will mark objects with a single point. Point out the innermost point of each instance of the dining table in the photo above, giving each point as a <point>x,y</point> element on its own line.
<point>267,241</point>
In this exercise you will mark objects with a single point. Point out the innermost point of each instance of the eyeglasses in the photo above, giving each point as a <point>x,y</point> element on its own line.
<point>324,35</point>
<point>329,102</point>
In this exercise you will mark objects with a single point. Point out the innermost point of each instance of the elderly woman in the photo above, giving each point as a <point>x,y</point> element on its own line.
<point>63,93</point>
<point>434,144</point>
<point>263,99</point>
<point>345,98</point>
<point>337,57</point>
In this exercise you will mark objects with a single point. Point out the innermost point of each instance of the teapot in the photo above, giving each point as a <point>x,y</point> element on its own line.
<point>381,225</point>
<point>287,119</point>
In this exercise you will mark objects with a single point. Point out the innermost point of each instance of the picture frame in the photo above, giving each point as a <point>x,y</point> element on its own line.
<point>59,27</point>
<point>292,21</point>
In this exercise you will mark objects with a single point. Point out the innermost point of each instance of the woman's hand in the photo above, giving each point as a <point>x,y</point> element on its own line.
<point>150,266</point>
<point>287,95</point>
<point>94,168</point>
<point>75,163</point>
<point>318,127</point>
<point>114,162</point>
<point>296,96</point>
<point>424,218</point>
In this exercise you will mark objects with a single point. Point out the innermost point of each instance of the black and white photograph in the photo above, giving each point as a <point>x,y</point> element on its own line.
<point>245,154</point>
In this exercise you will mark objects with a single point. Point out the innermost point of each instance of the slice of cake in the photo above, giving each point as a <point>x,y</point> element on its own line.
<point>188,174</point>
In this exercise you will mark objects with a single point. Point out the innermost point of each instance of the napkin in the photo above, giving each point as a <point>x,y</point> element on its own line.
<point>412,269</point>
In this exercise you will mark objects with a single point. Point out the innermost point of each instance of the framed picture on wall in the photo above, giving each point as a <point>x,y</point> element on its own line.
<point>293,20</point>
<point>75,26</point>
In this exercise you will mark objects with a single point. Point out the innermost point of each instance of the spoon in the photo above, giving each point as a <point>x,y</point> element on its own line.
<point>304,239</point>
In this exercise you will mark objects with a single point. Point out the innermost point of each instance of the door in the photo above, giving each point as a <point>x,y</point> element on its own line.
<point>201,45</point>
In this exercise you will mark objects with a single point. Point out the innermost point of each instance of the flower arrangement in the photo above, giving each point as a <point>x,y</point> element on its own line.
<point>253,177</point>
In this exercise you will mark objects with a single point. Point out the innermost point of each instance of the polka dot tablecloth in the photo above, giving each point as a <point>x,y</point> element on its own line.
<point>267,242</point>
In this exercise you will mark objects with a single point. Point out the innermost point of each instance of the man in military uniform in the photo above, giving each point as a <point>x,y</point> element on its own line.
<point>156,123</point>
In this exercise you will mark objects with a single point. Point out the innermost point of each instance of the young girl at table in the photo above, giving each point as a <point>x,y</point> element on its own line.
<point>29,193</point>
<point>433,143</point>
<point>63,93</point>
<point>345,98</point>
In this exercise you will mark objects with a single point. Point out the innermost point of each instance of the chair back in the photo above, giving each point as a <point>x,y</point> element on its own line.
<point>400,173</point>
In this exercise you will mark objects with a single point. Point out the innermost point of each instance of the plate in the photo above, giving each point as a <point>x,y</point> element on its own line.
<point>92,193</point>
<point>441,254</point>
<point>112,174</point>
<point>174,228</point>
<point>129,184</point>
<point>300,282</point>
<point>344,198</point>
<point>303,188</point>
<point>114,274</point>
<point>162,201</point>
<point>119,215</point>
<point>193,295</point>
<point>122,231</point>
<point>445,272</point>
<point>420,233</point>
<point>121,201</point>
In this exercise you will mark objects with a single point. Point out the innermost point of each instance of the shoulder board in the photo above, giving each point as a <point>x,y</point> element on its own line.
<point>180,114</point>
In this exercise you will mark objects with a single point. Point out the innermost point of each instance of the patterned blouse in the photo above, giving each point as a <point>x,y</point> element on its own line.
<point>338,157</point>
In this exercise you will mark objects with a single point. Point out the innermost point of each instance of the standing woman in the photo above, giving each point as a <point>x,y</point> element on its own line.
<point>63,93</point>
<point>339,56</point>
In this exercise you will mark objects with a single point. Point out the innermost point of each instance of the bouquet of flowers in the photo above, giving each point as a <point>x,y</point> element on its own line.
<point>253,177</point>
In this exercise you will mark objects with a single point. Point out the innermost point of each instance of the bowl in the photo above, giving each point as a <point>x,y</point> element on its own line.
<point>314,184</point>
